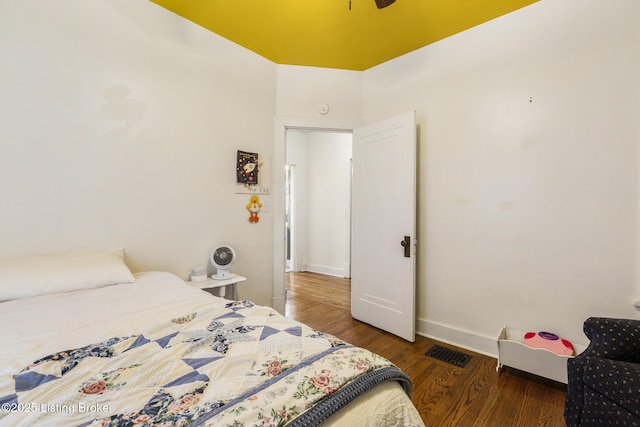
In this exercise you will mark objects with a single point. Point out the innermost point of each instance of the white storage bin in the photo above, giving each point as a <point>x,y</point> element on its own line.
<point>513,352</point>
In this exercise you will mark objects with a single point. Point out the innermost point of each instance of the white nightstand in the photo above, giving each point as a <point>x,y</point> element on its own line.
<point>222,284</point>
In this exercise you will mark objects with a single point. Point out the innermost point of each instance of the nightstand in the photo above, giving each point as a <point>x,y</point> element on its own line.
<point>222,284</point>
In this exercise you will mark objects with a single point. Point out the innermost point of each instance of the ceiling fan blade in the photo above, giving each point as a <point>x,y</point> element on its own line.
<point>383,3</point>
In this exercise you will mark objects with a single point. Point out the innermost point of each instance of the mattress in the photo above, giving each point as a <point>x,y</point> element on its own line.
<point>159,352</point>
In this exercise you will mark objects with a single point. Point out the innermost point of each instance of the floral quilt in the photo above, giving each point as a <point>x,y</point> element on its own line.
<point>243,365</point>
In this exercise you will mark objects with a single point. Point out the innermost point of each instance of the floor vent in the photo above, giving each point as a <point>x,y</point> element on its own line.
<point>450,356</point>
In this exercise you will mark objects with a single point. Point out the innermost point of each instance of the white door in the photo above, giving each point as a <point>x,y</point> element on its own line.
<point>383,225</point>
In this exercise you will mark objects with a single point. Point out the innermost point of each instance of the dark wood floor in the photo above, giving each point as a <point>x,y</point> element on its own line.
<point>445,395</point>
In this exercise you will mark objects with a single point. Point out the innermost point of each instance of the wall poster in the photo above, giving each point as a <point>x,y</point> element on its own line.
<point>252,173</point>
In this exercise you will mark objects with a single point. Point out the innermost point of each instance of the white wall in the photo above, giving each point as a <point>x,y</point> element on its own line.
<point>120,122</point>
<point>302,89</point>
<point>528,169</point>
<point>329,207</point>
<point>322,192</point>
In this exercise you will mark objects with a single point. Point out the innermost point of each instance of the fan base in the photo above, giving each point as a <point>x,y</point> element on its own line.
<point>222,276</point>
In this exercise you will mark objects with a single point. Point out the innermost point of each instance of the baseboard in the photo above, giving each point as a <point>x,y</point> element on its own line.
<point>458,337</point>
<point>323,269</point>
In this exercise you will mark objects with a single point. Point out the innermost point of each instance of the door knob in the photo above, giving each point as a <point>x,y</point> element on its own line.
<point>406,244</point>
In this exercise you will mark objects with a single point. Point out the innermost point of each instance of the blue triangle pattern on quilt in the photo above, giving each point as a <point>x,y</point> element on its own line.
<point>191,377</point>
<point>30,380</point>
<point>231,315</point>
<point>139,342</point>
<point>198,363</point>
<point>267,331</point>
<point>295,331</point>
<point>162,342</point>
<point>9,400</point>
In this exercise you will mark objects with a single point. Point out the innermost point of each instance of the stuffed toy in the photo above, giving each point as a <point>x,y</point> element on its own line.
<point>254,207</point>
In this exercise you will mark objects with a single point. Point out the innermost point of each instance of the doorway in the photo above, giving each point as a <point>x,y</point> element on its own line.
<point>318,202</point>
<point>281,126</point>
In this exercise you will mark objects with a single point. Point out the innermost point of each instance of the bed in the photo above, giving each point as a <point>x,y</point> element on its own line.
<point>86,343</point>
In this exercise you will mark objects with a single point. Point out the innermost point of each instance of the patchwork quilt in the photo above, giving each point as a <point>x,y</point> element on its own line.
<point>237,365</point>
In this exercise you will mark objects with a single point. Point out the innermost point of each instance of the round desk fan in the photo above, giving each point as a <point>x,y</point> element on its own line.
<point>221,258</point>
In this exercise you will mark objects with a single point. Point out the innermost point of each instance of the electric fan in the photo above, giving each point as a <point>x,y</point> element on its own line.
<point>221,258</point>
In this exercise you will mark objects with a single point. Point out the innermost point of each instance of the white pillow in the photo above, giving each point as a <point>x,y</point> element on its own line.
<point>27,277</point>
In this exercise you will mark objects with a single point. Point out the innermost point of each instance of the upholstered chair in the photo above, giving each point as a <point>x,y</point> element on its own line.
<point>604,381</point>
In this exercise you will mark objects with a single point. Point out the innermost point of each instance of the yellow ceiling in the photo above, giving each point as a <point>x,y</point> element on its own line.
<point>345,34</point>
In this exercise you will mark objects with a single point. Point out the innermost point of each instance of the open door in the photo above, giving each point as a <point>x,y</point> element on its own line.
<point>384,225</point>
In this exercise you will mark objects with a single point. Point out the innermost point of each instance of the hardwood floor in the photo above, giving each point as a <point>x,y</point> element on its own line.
<point>445,395</point>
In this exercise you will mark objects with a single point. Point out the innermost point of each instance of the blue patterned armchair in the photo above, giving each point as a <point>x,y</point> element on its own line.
<point>604,381</point>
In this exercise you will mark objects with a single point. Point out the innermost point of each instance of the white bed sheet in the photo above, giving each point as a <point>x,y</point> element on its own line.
<point>38,326</point>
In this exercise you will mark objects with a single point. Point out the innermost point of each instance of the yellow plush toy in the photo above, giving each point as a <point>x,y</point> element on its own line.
<point>254,207</point>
